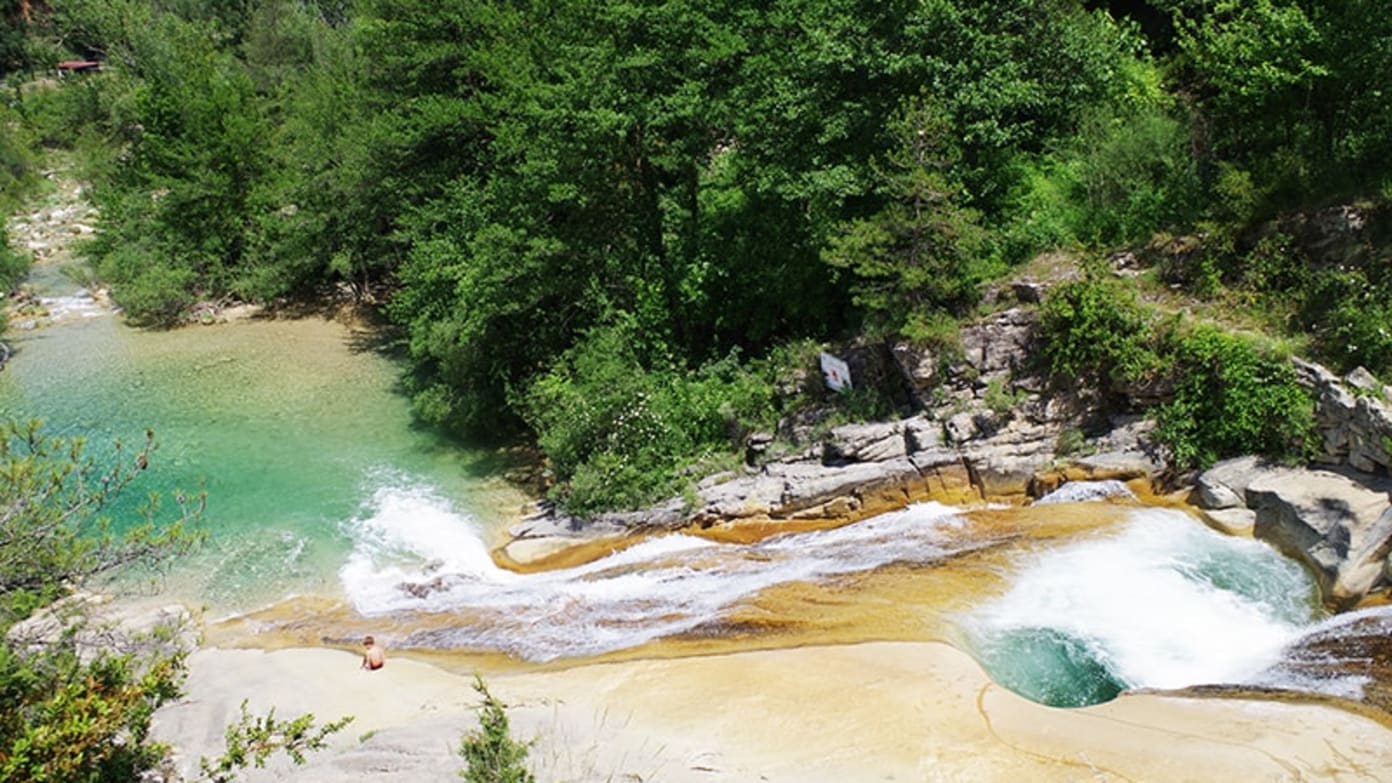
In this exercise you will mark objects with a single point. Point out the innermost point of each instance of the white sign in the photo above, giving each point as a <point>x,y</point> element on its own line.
<point>836,373</point>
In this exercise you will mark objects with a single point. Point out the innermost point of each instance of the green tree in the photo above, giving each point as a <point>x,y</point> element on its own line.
<point>67,717</point>
<point>918,254</point>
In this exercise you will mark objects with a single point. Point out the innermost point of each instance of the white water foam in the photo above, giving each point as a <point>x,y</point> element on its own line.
<point>80,304</point>
<point>1164,603</point>
<point>1328,656</point>
<point>414,553</point>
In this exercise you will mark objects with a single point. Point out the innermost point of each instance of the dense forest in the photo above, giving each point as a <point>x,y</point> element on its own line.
<point>614,227</point>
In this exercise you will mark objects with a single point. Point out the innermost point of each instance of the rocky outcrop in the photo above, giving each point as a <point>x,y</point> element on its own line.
<point>1338,522</point>
<point>989,428</point>
<point>1352,415</point>
<point>985,432</point>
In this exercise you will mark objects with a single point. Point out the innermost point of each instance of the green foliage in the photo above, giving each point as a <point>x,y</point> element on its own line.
<point>1126,172</point>
<point>75,712</point>
<point>919,253</point>
<point>1095,328</point>
<point>1289,93</point>
<point>71,716</point>
<point>1351,318</point>
<point>14,266</point>
<point>490,752</point>
<point>999,399</point>
<point>254,738</point>
<point>512,178</point>
<point>618,432</point>
<point>1230,400</point>
<point>67,720</point>
<point>54,532</point>
<point>19,159</point>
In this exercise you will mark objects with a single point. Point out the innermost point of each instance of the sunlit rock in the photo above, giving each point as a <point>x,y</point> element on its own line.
<point>1338,524</point>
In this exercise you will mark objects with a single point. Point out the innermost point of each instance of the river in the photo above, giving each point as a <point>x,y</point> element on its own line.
<point>325,499</point>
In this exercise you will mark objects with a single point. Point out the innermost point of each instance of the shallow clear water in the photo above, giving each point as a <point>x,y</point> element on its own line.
<point>292,427</point>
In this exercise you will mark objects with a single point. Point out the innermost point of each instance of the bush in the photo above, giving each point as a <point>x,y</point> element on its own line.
<point>1095,328</point>
<point>1230,400</point>
<point>619,433</point>
<point>493,756</point>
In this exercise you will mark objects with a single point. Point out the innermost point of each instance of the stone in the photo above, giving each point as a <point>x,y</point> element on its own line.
<point>1360,378</point>
<point>920,367</point>
<point>1006,471</point>
<point>1085,492</point>
<point>1001,343</point>
<point>961,427</point>
<point>102,626</point>
<point>743,496</point>
<point>1235,475</point>
<point>1120,465</point>
<point>1336,523</point>
<point>1233,521</point>
<point>1215,496</point>
<point>921,434</point>
<point>808,485</point>
<point>873,442</point>
<point>1029,291</point>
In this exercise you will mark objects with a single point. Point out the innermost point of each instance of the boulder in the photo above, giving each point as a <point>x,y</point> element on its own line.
<point>1004,467</point>
<point>1338,523</point>
<point>810,485</point>
<point>946,476</point>
<point>1216,496</point>
<point>921,433</point>
<point>1225,484</point>
<point>1370,434</point>
<point>743,496</point>
<point>1233,521</point>
<point>100,626</point>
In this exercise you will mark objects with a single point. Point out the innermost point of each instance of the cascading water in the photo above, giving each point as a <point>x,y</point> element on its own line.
<point>413,554</point>
<point>1163,602</point>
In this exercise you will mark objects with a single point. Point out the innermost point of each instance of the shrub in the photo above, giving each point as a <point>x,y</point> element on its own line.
<point>1229,400</point>
<point>1095,328</point>
<point>491,753</point>
<point>619,432</point>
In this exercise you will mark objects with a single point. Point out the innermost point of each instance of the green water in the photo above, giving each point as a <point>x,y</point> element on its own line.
<point>1050,666</point>
<point>291,425</point>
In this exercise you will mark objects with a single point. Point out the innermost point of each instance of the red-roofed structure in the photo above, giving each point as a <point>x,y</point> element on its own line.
<point>77,66</point>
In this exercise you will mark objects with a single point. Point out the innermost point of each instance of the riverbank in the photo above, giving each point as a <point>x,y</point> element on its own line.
<point>875,711</point>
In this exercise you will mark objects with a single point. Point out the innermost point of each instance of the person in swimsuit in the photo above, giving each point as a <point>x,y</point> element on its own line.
<point>373,656</point>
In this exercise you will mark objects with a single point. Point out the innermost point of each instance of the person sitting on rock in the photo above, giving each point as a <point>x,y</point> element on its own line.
<point>374,657</point>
